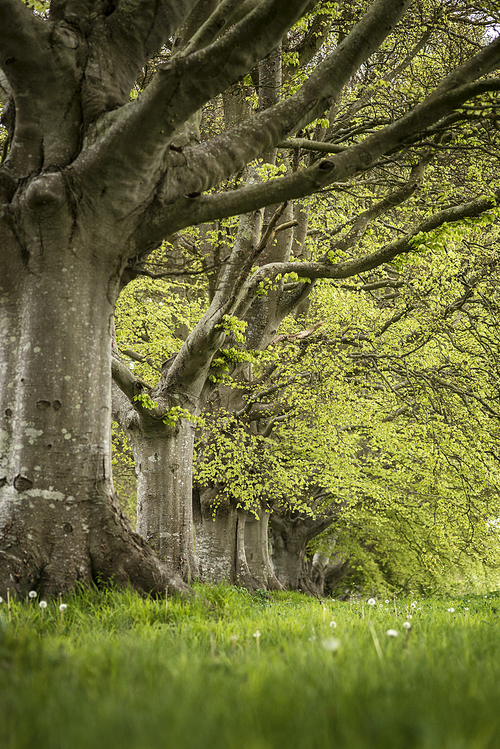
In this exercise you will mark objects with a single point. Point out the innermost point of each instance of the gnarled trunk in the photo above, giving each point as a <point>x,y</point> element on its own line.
<point>289,539</point>
<point>221,540</point>
<point>59,522</point>
<point>288,551</point>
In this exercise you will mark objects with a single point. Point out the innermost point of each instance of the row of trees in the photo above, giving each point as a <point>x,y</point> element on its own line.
<point>94,178</point>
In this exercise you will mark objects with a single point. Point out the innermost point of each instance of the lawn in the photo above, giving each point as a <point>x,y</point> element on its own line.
<point>228,670</point>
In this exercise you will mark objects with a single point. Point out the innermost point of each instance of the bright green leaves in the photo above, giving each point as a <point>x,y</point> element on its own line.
<point>173,414</point>
<point>233,326</point>
<point>152,318</point>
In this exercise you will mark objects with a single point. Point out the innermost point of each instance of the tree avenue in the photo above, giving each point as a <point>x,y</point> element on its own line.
<point>92,181</point>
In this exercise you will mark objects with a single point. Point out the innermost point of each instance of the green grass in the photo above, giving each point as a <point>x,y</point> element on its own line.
<point>120,671</point>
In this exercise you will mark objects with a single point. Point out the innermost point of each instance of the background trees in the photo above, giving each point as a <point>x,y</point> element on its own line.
<point>350,218</point>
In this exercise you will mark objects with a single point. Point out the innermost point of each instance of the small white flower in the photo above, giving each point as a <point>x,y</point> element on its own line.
<point>392,633</point>
<point>409,616</point>
<point>407,625</point>
<point>333,624</point>
<point>371,602</point>
<point>381,605</point>
<point>451,610</point>
<point>413,604</point>
<point>63,607</point>
<point>331,644</point>
<point>32,594</point>
<point>43,604</point>
<point>466,608</point>
<point>387,600</point>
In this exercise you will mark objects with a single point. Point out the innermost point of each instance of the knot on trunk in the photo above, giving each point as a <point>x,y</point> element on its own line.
<point>45,193</point>
<point>22,484</point>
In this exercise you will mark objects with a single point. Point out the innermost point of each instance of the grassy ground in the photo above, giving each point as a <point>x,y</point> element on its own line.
<point>114,670</point>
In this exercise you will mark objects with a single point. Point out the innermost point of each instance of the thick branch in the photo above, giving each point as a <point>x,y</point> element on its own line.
<point>325,269</point>
<point>209,164</point>
<point>125,379</point>
<point>133,152</point>
<point>353,160</point>
<point>37,60</point>
<point>311,145</point>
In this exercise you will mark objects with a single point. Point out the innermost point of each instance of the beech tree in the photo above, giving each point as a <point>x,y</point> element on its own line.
<point>91,181</point>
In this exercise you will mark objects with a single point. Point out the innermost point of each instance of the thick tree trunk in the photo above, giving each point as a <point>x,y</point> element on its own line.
<point>288,555</point>
<point>59,523</point>
<point>164,467</point>
<point>220,540</point>
<point>257,551</point>
<point>289,539</point>
<point>215,537</point>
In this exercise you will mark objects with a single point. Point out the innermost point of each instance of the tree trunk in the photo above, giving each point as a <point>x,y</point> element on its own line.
<point>59,522</point>
<point>163,461</point>
<point>288,555</point>
<point>289,539</point>
<point>257,550</point>
<point>215,537</point>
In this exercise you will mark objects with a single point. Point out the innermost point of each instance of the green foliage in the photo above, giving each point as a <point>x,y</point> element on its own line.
<point>152,317</point>
<point>124,473</point>
<point>121,671</point>
<point>175,413</point>
<point>234,327</point>
<point>146,401</point>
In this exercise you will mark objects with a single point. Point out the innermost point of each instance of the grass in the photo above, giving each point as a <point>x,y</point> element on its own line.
<point>119,671</point>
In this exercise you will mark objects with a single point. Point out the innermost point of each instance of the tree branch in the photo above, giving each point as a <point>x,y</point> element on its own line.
<point>353,160</point>
<point>134,150</point>
<point>47,122</point>
<point>310,145</point>
<point>209,164</point>
<point>125,379</point>
<point>326,269</point>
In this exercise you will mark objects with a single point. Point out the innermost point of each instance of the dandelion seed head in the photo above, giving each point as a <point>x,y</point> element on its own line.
<point>43,604</point>
<point>451,609</point>
<point>371,602</point>
<point>331,644</point>
<point>392,633</point>
<point>63,607</point>
<point>387,600</point>
<point>32,594</point>
<point>256,634</point>
<point>413,604</point>
<point>407,625</point>
<point>333,624</point>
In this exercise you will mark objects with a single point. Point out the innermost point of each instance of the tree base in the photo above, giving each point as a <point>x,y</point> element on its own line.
<point>61,545</point>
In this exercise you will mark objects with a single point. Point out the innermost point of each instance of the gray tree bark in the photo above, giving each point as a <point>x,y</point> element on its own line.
<point>290,536</point>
